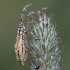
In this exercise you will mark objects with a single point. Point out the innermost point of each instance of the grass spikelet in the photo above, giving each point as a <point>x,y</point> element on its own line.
<point>44,45</point>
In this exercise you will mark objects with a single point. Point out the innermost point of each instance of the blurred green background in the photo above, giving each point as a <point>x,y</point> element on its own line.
<point>10,11</point>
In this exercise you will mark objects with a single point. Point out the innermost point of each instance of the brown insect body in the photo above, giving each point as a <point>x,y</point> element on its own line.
<point>21,45</point>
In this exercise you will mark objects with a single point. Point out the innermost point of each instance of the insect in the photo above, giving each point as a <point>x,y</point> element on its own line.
<point>21,45</point>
